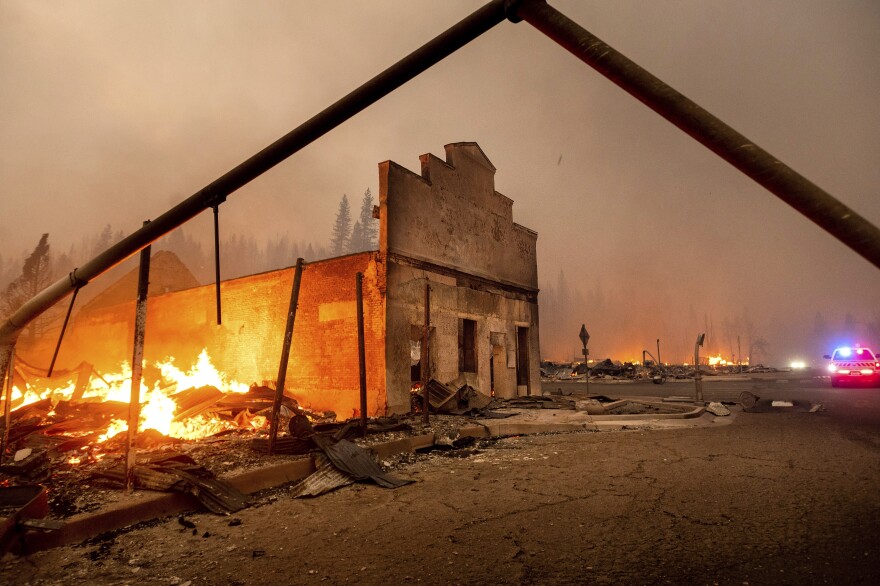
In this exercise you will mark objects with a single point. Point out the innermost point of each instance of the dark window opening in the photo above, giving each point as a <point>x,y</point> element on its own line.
<point>415,372</point>
<point>522,357</point>
<point>417,357</point>
<point>492,373</point>
<point>467,345</point>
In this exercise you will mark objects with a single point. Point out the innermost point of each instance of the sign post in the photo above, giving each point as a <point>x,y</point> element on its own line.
<point>585,337</point>
<point>698,376</point>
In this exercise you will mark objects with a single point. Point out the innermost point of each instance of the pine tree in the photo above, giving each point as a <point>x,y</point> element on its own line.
<point>369,226</point>
<point>356,242</point>
<point>103,242</point>
<point>36,275</point>
<point>7,272</point>
<point>339,243</point>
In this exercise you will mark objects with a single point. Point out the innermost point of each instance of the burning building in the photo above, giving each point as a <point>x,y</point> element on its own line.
<point>445,227</point>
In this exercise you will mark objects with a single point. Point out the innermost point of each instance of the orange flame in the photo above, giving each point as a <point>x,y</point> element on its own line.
<point>157,407</point>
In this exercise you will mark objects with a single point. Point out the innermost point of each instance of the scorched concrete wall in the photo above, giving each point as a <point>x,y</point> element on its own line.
<point>449,227</point>
<point>452,216</point>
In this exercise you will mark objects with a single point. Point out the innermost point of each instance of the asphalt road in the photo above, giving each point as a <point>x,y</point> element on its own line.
<point>756,498</point>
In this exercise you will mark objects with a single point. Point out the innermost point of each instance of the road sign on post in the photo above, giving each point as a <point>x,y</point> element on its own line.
<point>698,376</point>
<point>585,337</point>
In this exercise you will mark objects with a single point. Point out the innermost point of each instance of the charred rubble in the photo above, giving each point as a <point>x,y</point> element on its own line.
<point>615,370</point>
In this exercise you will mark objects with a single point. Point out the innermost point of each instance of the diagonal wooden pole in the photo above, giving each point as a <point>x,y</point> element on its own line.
<point>285,355</point>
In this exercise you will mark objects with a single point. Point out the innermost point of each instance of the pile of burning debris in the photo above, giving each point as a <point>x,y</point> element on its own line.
<point>68,435</point>
<point>74,446</point>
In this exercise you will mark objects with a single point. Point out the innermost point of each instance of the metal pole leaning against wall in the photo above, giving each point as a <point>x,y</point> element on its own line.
<point>423,58</point>
<point>285,355</point>
<point>362,353</point>
<point>836,218</point>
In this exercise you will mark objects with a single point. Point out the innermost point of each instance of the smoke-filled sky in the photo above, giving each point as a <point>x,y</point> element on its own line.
<point>112,112</point>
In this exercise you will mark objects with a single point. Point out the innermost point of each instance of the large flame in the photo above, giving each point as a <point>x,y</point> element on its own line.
<point>157,407</point>
<point>202,374</point>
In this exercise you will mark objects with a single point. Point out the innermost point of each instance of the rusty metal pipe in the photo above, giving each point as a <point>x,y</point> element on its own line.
<point>213,194</point>
<point>217,262</point>
<point>836,218</point>
<point>61,335</point>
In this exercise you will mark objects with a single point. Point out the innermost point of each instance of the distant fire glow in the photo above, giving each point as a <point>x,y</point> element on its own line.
<point>717,361</point>
<point>797,364</point>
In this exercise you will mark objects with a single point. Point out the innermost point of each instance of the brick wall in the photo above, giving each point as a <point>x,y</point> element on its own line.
<point>323,368</point>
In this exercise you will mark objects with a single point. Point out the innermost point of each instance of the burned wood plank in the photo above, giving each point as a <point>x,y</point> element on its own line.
<point>91,410</point>
<point>67,444</point>
<point>263,393</point>
<point>439,394</point>
<point>36,409</point>
<point>145,477</point>
<point>257,398</point>
<point>179,473</point>
<point>194,401</point>
<point>28,427</point>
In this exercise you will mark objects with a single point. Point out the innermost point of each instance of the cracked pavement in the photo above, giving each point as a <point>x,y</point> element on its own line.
<point>781,498</point>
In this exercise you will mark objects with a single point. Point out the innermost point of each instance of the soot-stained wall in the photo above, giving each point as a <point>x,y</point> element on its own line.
<point>448,228</point>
